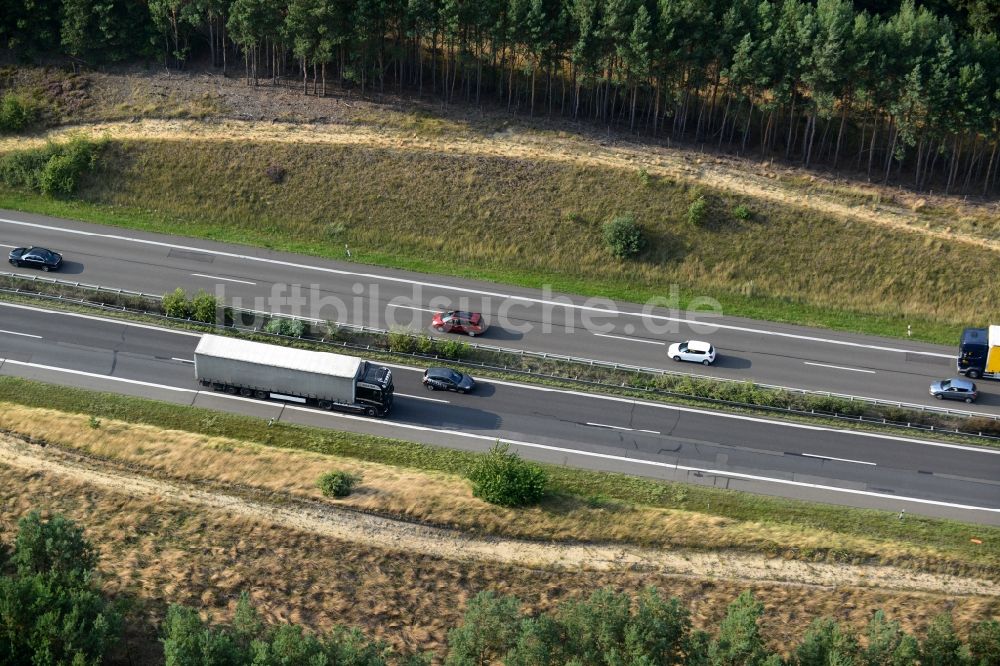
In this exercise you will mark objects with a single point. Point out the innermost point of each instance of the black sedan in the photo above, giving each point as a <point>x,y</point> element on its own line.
<point>35,257</point>
<point>446,379</point>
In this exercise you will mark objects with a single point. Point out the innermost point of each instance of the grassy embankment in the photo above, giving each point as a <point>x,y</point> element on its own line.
<point>533,223</point>
<point>694,516</point>
<point>186,518</point>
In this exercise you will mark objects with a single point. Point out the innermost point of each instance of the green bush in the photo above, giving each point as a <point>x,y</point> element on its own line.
<point>402,342</point>
<point>338,484</point>
<point>742,212</point>
<point>23,167</point>
<point>292,328</point>
<point>502,478</point>
<point>204,307</point>
<point>16,112</point>
<point>175,304</point>
<point>698,210</point>
<point>624,237</point>
<point>455,349</point>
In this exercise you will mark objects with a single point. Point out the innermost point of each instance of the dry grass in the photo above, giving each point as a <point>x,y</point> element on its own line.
<point>163,549</point>
<point>445,500</point>
<point>523,208</point>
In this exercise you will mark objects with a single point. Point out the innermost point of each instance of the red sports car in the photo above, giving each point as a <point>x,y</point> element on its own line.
<point>456,321</point>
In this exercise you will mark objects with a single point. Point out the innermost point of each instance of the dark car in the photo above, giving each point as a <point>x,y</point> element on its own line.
<point>35,257</point>
<point>446,379</point>
<point>954,389</point>
<point>457,321</point>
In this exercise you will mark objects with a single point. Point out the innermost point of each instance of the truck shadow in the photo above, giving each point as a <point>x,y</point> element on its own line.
<point>438,415</point>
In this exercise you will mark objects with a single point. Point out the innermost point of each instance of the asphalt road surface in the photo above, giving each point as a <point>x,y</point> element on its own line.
<point>565,427</point>
<point>776,354</point>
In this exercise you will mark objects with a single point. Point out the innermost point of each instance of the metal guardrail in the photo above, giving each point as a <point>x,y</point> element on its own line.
<point>592,363</point>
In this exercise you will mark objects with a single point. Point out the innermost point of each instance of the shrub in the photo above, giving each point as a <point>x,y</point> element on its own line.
<point>64,169</point>
<point>175,304</point>
<point>644,177</point>
<point>402,342</point>
<point>22,168</point>
<point>698,210</point>
<point>338,484</point>
<point>276,173</point>
<point>94,422</point>
<point>502,478</point>
<point>455,349</point>
<point>623,236</point>
<point>204,307</point>
<point>741,212</point>
<point>292,328</point>
<point>16,112</point>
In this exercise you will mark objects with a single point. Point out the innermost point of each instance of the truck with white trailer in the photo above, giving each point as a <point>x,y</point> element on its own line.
<point>264,371</point>
<point>979,353</point>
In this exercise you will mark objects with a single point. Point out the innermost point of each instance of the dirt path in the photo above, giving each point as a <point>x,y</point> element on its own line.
<point>387,534</point>
<point>738,176</point>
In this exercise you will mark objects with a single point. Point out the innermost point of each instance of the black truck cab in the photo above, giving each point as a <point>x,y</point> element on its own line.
<point>374,387</point>
<point>973,351</point>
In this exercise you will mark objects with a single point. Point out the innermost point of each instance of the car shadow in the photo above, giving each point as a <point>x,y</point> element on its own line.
<point>482,391</point>
<point>732,362</point>
<point>70,268</point>
<point>497,334</point>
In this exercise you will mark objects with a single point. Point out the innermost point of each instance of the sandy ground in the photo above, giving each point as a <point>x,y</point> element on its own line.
<point>383,533</point>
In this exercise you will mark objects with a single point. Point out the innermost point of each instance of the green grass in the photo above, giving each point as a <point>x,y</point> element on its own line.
<point>952,539</point>
<point>533,223</point>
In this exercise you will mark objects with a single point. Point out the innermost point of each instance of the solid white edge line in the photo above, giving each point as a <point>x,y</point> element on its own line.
<point>182,360</point>
<point>622,337</point>
<point>596,396</point>
<point>545,447</point>
<point>23,335</point>
<point>409,307</point>
<point>423,397</point>
<point>107,320</point>
<point>837,367</point>
<point>541,301</point>
<point>847,460</point>
<point>612,427</point>
<point>225,279</point>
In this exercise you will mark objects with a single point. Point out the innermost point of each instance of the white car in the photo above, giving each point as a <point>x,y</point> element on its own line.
<point>692,350</point>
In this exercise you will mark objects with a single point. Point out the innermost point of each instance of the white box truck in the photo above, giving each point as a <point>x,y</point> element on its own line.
<point>263,371</point>
<point>979,353</point>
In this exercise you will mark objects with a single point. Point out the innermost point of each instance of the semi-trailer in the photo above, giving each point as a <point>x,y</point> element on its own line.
<point>265,371</point>
<point>979,353</point>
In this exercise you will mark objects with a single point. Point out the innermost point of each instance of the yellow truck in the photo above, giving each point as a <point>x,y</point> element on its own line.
<point>979,353</point>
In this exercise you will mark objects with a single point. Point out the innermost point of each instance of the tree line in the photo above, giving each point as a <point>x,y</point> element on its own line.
<point>909,96</point>
<point>53,612</point>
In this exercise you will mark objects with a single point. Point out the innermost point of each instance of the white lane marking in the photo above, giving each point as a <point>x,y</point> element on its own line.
<point>724,415</point>
<point>614,427</point>
<point>838,367</point>
<point>217,277</point>
<point>182,360</point>
<point>547,447</point>
<point>596,396</point>
<point>847,460</point>
<point>423,397</point>
<point>409,307</point>
<point>622,337</point>
<point>120,322</point>
<point>26,335</point>
<point>554,302</point>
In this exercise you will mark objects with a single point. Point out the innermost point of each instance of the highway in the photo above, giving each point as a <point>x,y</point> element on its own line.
<point>559,426</point>
<point>530,319</point>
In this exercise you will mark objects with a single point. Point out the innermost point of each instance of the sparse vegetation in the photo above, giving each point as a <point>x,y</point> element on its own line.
<point>292,328</point>
<point>742,212</point>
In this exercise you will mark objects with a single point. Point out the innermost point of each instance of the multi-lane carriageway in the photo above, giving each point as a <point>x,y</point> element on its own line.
<point>560,426</point>
<point>679,443</point>
<point>775,354</point>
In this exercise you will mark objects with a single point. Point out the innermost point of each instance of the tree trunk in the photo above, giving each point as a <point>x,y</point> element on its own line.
<point>989,168</point>
<point>840,136</point>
